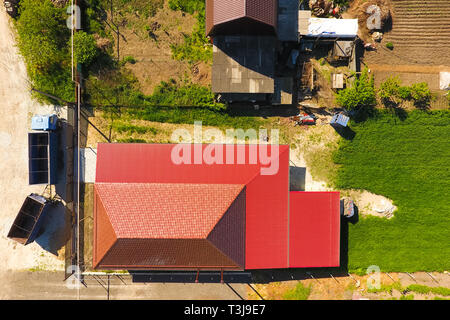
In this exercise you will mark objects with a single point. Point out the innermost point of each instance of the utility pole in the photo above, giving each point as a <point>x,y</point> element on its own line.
<point>75,122</point>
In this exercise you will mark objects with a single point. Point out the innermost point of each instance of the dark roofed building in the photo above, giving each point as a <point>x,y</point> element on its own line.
<point>237,16</point>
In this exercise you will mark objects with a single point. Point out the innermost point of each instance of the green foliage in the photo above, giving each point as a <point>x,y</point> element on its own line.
<point>425,290</point>
<point>129,59</point>
<point>359,96</point>
<point>390,46</point>
<point>178,115</point>
<point>42,41</point>
<point>421,94</point>
<point>189,6</point>
<point>389,91</point>
<point>299,293</point>
<point>387,288</point>
<point>408,297</point>
<point>404,93</point>
<point>42,32</point>
<point>196,47</point>
<point>85,48</point>
<point>188,94</point>
<point>406,161</point>
<point>392,93</point>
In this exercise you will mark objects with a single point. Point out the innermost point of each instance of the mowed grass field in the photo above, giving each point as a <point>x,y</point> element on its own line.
<point>409,162</point>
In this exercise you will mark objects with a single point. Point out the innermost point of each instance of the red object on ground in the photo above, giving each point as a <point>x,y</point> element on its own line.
<point>314,230</point>
<point>145,203</point>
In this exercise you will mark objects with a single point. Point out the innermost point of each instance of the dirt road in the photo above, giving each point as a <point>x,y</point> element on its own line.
<point>50,286</point>
<point>16,109</point>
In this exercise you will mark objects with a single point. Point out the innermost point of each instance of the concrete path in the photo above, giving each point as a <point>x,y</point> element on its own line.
<point>50,286</point>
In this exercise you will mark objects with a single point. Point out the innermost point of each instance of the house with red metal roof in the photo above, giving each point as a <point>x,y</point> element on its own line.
<point>151,213</point>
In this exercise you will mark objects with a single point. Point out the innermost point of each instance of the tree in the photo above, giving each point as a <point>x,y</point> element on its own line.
<point>359,96</point>
<point>42,34</point>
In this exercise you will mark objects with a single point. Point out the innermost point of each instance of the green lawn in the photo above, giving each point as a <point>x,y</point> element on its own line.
<point>409,162</point>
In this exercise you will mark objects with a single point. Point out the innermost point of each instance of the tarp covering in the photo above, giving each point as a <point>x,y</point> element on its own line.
<point>324,27</point>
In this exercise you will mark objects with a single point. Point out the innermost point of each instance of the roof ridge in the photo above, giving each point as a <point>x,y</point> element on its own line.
<point>241,187</point>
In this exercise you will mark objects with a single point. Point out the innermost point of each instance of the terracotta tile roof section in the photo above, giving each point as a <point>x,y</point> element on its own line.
<point>165,210</point>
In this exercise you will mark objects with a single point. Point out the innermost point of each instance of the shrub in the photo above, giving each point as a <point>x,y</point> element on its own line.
<point>42,34</point>
<point>389,91</point>
<point>85,48</point>
<point>421,94</point>
<point>404,93</point>
<point>359,96</point>
<point>42,41</point>
<point>390,45</point>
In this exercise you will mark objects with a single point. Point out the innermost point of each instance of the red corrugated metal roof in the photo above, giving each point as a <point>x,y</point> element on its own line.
<point>314,230</point>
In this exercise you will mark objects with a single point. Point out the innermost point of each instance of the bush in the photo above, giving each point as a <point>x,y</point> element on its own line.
<point>389,91</point>
<point>404,93</point>
<point>360,96</point>
<point>42,34</point>
<point>390,46</point>
<point>85,48</point>
<point>421,94</point>
<point>42,41</point>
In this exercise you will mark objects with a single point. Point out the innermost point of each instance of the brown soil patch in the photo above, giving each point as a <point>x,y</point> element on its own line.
<point>149,41</point>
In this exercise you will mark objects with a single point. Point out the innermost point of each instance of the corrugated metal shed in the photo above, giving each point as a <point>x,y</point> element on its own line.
<point>243,64</point>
